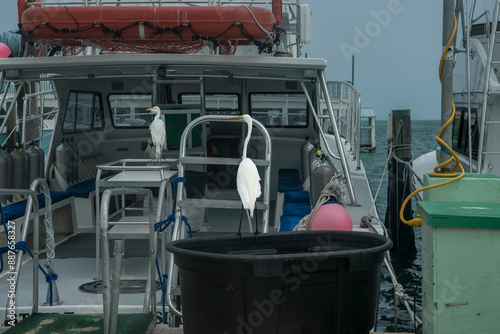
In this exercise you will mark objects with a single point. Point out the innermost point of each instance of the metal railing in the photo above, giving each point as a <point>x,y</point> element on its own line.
<point>329,117</point>
<point>45,3</point>
<point>34,124</point>
<point>346,103</point>
<point>32,212</point>
<point>110,300</point>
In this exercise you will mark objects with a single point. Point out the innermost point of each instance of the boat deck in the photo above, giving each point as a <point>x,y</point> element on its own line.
<point>164,330</point>
<point>167,330</point>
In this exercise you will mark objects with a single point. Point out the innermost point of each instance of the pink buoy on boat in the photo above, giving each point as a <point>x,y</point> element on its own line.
<point>331,216</point>
<point>4,51</point>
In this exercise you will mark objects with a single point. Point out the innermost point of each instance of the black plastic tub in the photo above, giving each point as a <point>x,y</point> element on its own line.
<point>289,282</point>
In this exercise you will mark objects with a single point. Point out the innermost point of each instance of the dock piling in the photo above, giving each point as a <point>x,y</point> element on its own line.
<point>399,185</point>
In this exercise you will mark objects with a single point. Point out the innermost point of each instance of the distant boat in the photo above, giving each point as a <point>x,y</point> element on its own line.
<point>368,122</point>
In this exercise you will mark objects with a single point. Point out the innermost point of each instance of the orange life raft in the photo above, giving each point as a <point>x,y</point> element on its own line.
<point>148,28</point>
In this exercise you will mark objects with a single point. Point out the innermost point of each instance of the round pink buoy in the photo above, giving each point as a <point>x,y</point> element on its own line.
<point>331,217</point>
<point>4,51</point>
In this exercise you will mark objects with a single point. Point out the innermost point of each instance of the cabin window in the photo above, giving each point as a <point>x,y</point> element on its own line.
<point>279,110</point>
<point>130,110</point>
<point>83,112</point>
<point>460,138</point>
<point>215,104</point>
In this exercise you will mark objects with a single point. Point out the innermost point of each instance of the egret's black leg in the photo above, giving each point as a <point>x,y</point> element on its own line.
<point>256,222</point>
<point>241,220</point>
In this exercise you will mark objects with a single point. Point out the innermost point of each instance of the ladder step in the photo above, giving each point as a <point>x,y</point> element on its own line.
<point>220,161</point>
<point>217,203</point>
<point>129,231</point>
<point>132,220</point>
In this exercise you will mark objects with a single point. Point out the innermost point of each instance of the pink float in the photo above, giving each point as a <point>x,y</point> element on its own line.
<point>331,217</point>
<point>4,51</point>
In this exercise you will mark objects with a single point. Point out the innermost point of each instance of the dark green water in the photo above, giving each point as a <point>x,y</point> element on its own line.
<point>407,266</point>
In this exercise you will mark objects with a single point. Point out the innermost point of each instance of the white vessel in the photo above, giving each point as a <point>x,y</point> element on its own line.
<point>475,89</point>
<point>96,180</point>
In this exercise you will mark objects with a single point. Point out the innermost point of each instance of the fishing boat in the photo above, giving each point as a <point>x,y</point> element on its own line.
<point>459,180</point>
<point>472,133</point>
<point>107,183</point>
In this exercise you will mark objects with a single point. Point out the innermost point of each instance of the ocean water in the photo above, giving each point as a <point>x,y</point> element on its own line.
<point>407,266</point>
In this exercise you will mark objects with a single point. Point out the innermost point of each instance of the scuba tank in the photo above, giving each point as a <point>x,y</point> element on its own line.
<point>34,170</point>
<point>3,176</point>
<point>10,170</point>
<point>75,158</point>
<point>18,168</point>
<point>312,152</point>
<point>62,161</point>
<point>27,181</point>
<point>321,173</point>
<point>305,149</point>
<point>42,159</point>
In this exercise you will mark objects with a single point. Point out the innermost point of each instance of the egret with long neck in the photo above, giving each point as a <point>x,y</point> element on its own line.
<point>248,179</point>
<point>158,133</point>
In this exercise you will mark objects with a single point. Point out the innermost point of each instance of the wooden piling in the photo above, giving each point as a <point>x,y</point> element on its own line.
<point>399,185</point>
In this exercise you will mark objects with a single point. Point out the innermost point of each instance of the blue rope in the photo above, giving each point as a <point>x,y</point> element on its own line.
<point>164,224</point>
<point>3,250</point>
<point>162,279</point>
<point>160,227</point>
<point>23,245</point>
<point>175,182</point>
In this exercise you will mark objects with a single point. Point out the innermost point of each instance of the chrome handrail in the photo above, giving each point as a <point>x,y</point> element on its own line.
<point>32,203</point>
<point>150,295</point>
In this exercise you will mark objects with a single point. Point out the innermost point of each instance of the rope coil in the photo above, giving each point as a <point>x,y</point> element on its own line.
<point>23,246</point>
<point>332,191</point>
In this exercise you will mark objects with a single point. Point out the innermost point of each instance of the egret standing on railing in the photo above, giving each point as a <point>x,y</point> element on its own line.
<point>158,133</point>
<point>248,179</point>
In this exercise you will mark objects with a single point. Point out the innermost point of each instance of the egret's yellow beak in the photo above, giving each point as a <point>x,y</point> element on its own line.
<point>236,118</point>
<point>150,108</point>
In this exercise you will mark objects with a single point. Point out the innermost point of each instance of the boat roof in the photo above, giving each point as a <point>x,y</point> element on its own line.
<point>175,65</point>
<point>367,112</point>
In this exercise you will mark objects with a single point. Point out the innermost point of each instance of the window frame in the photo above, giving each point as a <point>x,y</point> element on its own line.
<point>75,129</point>
<point>132,126</point>
<point>250,109</point>
<point>460,139</point>
<point>211,111</point>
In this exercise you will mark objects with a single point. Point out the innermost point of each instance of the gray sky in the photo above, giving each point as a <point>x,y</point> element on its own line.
<point>397,46</point>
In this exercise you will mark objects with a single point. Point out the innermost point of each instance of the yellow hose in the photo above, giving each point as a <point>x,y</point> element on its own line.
<point>453,158</point>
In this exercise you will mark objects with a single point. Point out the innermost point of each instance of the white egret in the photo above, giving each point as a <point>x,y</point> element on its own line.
<point>158,133</point>
<point>248,179</point>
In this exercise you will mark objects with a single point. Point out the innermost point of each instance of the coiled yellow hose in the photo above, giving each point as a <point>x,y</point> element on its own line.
<point>438,171</point>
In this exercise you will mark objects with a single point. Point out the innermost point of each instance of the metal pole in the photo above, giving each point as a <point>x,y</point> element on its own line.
<point>32,203</point>
<point>103,224</point>
<point>352,74</point>
<point>115,286</point>
<point>487,87</point>
<point>447,74</point>
<point>469,113</point>
<point>345,167</point>
<point>358,131</point>
<point>25,108</point>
